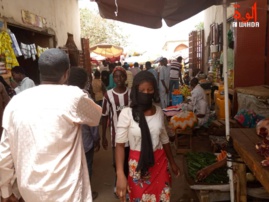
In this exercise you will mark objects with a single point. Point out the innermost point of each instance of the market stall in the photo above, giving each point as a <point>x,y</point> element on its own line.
<point>7,54</point>
<point>21,47</point>
<point>244,142</point>
<point>213,188</point>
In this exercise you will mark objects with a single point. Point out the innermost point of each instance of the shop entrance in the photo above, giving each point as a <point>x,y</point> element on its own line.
<point>31,36</point>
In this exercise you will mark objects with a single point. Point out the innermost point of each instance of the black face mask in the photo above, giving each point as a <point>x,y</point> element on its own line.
<point>145,99</point>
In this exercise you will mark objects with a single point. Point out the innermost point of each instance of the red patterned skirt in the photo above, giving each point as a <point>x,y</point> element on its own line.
<point>156,185</point>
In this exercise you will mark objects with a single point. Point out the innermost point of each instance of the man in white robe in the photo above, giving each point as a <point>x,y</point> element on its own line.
<point>41,143</point>
<point>198,102</point>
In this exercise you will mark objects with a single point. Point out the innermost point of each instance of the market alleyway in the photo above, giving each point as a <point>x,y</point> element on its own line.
<point>103,174</point>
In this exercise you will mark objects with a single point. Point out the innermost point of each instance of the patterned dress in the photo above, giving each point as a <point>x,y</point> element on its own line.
<point>155,186</point>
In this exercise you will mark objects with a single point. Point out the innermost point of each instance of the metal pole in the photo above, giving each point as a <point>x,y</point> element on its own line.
<point>226,97</point>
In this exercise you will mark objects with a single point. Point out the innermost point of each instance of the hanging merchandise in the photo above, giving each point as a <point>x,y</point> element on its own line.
<point>15,44</point>
<point>7,51</point>
<point>25,49</point>
<point>28,51</point>
<point>33,51</point>
<point>40,50</point>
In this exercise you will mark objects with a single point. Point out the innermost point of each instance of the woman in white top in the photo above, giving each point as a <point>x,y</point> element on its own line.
<point>142,125</point>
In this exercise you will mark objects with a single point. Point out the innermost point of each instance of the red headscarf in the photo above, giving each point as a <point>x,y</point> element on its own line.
<point>119,68</point>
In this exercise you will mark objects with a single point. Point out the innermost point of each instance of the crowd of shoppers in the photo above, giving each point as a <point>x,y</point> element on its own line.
<point>51,131</point>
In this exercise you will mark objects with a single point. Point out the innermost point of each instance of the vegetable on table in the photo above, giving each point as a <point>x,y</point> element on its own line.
<point>199,160</point>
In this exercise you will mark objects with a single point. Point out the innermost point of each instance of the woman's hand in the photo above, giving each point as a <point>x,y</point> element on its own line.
<point>171,160</point>
<point>175,169</point>
<point>121,187</point>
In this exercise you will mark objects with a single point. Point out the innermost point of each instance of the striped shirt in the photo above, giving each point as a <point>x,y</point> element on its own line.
<point>113,103</point>
<point>175,70</point>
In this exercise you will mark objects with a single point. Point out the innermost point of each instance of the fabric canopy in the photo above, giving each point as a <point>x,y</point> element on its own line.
<point>150,13</point>
<point>106,50</point>
<point>95,56</point>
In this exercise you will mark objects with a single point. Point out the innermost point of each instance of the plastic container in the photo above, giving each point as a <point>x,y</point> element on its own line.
<point>220,108</point>
<point>177,99</point>
<point>217,95</point>
<point>221,87</point>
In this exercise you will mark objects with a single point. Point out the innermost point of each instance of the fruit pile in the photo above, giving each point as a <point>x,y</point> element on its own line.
<point>176,92</point>
<point>185,91</point>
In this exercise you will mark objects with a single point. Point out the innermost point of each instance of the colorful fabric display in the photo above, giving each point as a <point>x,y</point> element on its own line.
<point>248,118</point>
<point>40,50</point>
<point>183,120</point>
<point>172,110</point>
<point>7,50</point>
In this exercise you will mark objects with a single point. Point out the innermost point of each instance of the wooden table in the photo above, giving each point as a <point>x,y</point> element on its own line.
<point>182,138</point>
<point>244,141</point>
<point>183,141</point>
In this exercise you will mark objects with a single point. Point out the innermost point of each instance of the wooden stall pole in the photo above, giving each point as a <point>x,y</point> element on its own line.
<point>241,181</point>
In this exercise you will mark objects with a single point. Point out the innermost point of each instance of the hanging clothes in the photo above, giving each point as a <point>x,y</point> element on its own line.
<point>7,51</point>
<point>28,51</point>
<point>33,51</point>
<point>15,45</point>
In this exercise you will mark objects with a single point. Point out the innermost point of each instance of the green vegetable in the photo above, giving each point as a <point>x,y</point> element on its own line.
<point>199,160</point>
